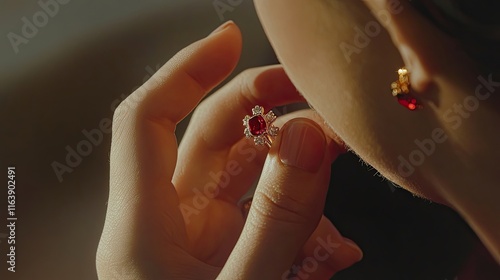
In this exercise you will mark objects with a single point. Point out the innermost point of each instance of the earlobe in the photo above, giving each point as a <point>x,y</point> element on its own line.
<point>421,76</point>
<point>427,52</point>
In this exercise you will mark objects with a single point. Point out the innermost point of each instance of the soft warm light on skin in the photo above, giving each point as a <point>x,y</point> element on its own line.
<point>345,74</point>
<point>351,95</point>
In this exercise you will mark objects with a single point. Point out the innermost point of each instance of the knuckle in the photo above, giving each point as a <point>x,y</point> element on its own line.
<point>273,204</point>
<point>121,111</point>
<point>120,115</point>
<point>246,78</point>
<point>131,105</point>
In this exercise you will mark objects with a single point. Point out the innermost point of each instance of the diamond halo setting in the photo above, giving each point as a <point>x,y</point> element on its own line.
<point>259,126</point>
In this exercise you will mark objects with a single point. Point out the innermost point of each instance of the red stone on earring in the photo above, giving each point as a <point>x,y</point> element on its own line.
<point>401,90</point>
<point>407,100</point>
<point>257,125</point>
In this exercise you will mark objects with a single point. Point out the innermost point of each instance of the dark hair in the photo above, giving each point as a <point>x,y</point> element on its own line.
<point>474,24</point>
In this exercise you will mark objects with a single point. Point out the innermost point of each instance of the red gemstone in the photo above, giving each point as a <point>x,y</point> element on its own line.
<point>408,101</point>
<point>257,125</point>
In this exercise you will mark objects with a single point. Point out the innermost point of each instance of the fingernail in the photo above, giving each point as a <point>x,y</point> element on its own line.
<point>356,250</point>
<point>303,146</point>
<point>222,27</point>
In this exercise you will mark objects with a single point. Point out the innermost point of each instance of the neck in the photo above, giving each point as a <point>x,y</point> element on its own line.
<point>477,200</point>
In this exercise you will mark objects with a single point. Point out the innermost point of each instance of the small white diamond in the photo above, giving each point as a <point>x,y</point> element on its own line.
<point>245,120</point>
<point>273,131</point>
<point>257,110</point>
<point>247,133</point>
<point>259,140</point>
<point>270,116</point>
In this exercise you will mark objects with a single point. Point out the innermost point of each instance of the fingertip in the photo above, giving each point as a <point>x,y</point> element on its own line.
<point>303,145</point>
<point>215,56</point>
<point>329,246</point>
<point>355,251</point>
<point>221,27</point>
<point>346,256</point>
<point>230,34</point>
<point>335,146</point>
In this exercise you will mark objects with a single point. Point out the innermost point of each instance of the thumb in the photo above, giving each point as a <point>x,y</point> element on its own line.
<point>287,205</point>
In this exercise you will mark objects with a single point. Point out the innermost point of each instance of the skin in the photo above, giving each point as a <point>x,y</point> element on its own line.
<point>155,227</point>
<point>353,97</point>
<point>158,227</point>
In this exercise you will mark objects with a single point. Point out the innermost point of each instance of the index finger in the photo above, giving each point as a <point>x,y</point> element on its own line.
<point>144,147</point>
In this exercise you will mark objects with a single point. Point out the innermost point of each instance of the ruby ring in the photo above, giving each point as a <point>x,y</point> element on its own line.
<point>260,126</point>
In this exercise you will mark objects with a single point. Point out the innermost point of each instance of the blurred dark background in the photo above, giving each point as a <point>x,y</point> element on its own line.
<point>62,76</point>
<point>402,236</point>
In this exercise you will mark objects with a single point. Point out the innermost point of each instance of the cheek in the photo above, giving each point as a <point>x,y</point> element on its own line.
<point>343,62</point>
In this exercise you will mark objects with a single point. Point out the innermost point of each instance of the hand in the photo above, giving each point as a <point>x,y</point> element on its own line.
<point>174,214</point>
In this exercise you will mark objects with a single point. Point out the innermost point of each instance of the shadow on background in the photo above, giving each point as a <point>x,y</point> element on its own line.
<point>62,86</point>
<point>65,81</point>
